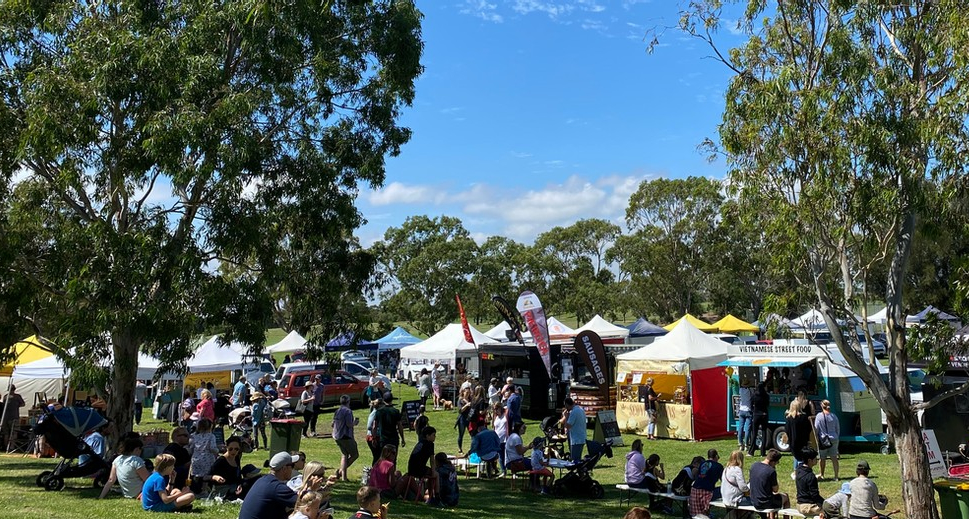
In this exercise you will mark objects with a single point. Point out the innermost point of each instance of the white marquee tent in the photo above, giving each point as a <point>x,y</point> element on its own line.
<point>212,357</point>
<point>292,343</point>
<point>441,347</point>
<point>603,327</point>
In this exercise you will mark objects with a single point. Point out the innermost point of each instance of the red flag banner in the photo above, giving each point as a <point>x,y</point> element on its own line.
<point>464,321</point>
<point>531,310</point>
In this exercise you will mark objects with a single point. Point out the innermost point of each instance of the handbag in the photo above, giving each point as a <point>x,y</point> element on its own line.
<point>300,407</point>
<point>824,442</point>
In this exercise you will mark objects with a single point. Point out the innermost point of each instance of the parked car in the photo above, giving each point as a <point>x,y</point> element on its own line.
<point>285,369</point>
<point>336,384</point>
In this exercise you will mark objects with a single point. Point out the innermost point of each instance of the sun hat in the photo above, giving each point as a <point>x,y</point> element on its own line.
<point>846,488</point>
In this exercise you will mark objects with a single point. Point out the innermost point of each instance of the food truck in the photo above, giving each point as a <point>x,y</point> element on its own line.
<point>789,365</point>
<point>540,396</point>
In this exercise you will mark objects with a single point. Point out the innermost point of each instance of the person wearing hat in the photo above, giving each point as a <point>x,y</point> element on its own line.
<point>260,415</point>
<point>836,506</point>
<point>809,498</point>
<point>865,499</point>
<point>270,497</point>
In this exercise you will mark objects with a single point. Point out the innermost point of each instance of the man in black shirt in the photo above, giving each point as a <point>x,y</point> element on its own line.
<point>417,465</point>
<point>389,428</point>
<point>809,498</point>
<point>763,484</point>
<point>183,459</point>
<point>269,497</point>
<point>759,403</point>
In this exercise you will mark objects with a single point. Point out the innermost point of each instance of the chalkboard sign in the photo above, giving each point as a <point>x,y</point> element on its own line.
<point>607,428</point>
<point>219,433</point>
<point>410,410</point>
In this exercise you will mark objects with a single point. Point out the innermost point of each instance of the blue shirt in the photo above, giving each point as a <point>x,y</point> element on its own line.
<point>486,444</point>
<point>96,441</point>
<point>577,430</point>
<point>708,475</point>
<point>259,411</point>
<point>150,498</point>
<point>514,409</point>
<point>237,392</point>
<point>267,499</point>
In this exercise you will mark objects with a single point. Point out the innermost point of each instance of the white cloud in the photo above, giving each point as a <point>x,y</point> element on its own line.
<point>520,154</point>
<point>399,193</point>
<point>553,10</point>
<point>481,9</point>
<point>451,110</point>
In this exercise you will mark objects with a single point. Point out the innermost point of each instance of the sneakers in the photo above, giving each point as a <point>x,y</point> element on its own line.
<point>793,475</point>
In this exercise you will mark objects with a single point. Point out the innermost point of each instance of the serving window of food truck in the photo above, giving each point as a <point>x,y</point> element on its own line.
<point>786,367</point>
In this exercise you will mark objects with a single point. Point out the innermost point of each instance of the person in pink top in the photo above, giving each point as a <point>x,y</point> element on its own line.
<point>206,406</point>
<point>384,475</point>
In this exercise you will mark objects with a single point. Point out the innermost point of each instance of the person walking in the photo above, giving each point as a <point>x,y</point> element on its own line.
<point>828,428</point>
<point>343,423</point>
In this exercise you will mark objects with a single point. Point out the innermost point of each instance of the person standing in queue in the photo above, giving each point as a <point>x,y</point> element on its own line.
<point>759,403</point>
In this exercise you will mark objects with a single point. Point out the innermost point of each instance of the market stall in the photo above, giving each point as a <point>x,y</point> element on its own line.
<point>691,387</point>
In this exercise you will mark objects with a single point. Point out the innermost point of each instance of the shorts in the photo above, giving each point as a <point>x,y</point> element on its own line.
<point>163,507</point>
<point>830,452</point>
<point>774,501</point>
<point>809,509</point>
<point>437,391</point>
<point>348,447</point>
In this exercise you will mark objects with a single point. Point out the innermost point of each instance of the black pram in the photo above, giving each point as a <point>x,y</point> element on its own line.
<point>64,431</point>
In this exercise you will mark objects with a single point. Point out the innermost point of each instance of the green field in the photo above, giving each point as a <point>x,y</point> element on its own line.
<point>20,498</point>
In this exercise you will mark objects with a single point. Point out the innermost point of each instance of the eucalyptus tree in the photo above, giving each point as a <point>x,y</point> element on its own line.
<point>424,263</point>
<point>671,222</point>
<point>145,144</point>
<point>846,121</point>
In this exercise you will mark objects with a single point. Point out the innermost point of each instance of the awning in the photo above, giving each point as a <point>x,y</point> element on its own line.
<point>775,363</point>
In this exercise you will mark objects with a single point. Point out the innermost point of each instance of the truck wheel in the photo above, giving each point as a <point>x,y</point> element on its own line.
<point>781,441</point>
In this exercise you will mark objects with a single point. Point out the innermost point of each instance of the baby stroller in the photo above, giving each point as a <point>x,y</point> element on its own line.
<point>556,440</point>
<point>578,481</point>
<point>281,408</point>
<point>241,422</point>
<point>64,431</point>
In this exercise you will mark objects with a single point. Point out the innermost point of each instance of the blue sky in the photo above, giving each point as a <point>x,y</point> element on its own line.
<point>537,113</point>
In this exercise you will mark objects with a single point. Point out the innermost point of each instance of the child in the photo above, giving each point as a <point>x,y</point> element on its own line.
<point>260,415</point>
<point>204,452</point>
<point>308,506</point>
<point>836,506</point>
<point>421,422</point>
<point>540,472</point>
<point>156,495</point>
<point>448,480</point>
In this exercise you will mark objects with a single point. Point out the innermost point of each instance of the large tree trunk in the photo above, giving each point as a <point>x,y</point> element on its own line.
<point>917,492</point>
<point>121,404</point>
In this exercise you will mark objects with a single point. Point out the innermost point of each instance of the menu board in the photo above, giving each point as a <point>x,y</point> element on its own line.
<point>410,410</point>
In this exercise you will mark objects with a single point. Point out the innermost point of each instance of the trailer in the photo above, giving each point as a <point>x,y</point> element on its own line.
<point>798,364</point>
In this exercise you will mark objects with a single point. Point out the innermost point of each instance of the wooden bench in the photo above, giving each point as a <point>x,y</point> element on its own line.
<point>628,492</point>
<point>744,511</point>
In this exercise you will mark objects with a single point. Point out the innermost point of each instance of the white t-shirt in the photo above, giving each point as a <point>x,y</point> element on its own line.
<point>500,425</point>
<point>126,467</point>
<point>511,451</point>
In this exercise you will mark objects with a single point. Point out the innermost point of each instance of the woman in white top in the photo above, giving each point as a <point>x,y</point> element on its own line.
<point>500,424</point>
<point>128,470</point>
<point>733,485</point>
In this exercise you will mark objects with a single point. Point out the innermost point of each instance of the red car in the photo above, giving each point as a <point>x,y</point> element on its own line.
<point>335,385</point>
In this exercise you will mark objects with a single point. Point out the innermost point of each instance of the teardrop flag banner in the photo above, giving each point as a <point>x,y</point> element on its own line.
<point>464,322</point>
<point>593,354</point>
<point>533,314</point>
<point>510,315</point>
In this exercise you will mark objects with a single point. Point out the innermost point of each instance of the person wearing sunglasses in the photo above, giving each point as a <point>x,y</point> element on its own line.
<point>270,497</point>
<point>226,474</point>
<point>183,459</point>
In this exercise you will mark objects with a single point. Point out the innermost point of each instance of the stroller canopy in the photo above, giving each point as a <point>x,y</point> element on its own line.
<point>78,420</point>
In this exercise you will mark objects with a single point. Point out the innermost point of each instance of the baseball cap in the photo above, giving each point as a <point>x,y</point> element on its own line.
<point>846,488</point>
<point>388,397</point>
<point>863,465</point>
<point>281,459</point>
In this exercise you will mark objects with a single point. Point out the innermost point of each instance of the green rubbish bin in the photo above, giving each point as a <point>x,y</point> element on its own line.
<point>952,501</point>
<point>285,435</point>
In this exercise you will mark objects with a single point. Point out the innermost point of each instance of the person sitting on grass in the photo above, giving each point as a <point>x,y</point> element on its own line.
<point>417,466</point>
<point>370,508</point>
<point>447,478</point>
<point>308,506</point>
<point>270,497</point>
<point>128,470</point>
<point>836,506</point>
<point>541,475</point>
<point>157,496</point>
<point>183,458</point>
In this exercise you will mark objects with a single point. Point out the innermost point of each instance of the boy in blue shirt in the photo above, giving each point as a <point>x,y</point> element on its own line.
<point>156,494</point>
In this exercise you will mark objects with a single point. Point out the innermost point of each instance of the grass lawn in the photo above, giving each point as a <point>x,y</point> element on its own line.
<point>21,498</point>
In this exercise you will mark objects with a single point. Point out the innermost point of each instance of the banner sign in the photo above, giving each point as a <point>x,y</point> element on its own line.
<point>593,354</point>
<point>464,322</point>
<point>510,316</point>
<point>531,310</point>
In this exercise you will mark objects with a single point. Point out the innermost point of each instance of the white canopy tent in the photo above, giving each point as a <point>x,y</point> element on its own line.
<point>292,343</point>
<point>441,347</point>
<point>603,328</point>
<point>557,330</point>
<point>498,333</point>
<point>686,343</point>
<point>879,317</point>
<point>212,357</point>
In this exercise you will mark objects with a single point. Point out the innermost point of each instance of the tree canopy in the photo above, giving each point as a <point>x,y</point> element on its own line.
<point>144,145</point>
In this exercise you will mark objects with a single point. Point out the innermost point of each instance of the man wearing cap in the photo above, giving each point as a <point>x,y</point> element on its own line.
<point>387,424</point>
<point>269,497</point>
<point>836,506</point>
<point>865,499</point>
<point>809,498</point>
